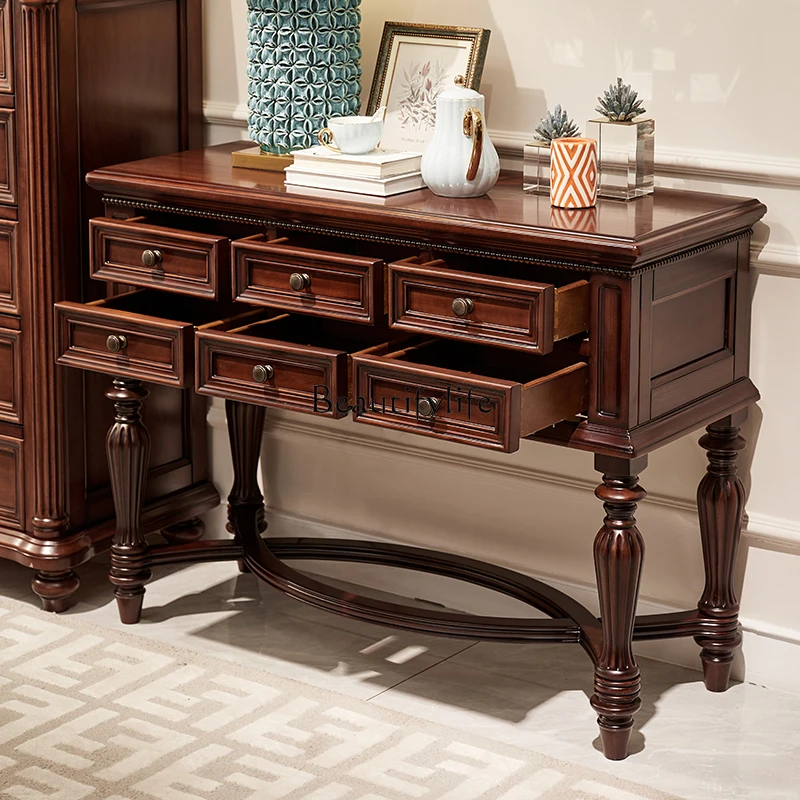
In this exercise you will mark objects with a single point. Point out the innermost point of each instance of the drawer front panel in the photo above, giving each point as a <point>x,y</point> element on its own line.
<point>300,381</point>
<point>148,255</point>
<point>12,511</point>
<point>9,268</point>
<point>471,411</point>
<point>8,158</point>
<point>333,285</point>
<point>507,313</point>
<point>155,350</point>
<point>10,376</point>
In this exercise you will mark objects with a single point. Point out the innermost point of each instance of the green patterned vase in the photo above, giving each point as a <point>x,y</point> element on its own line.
<point>303,67</point>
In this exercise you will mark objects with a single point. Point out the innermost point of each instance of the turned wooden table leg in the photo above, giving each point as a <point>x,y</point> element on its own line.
<point>618,555</point>
<point>720,503</point>
<point>128,452</point>
<point>245,432</point>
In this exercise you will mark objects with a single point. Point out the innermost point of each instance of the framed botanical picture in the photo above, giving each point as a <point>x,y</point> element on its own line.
<point>415,64</point>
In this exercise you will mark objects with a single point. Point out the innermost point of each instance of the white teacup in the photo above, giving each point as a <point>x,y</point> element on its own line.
<point>352,135</point>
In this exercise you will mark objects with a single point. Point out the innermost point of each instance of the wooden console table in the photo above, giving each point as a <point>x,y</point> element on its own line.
<point>613,330</point>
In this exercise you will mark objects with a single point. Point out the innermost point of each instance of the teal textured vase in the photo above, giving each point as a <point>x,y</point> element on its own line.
<point>304,66</point>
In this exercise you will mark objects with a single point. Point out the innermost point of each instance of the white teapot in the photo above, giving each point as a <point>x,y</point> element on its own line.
<point>461,160</point>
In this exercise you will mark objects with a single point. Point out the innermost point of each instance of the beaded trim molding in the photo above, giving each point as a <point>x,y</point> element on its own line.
<point>146,205</point>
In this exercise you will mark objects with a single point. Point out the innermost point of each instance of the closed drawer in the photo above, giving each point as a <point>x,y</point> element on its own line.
<point>135,253</point>
<point>12,511</point>
<point>144,334</point>
<point>501,307</point>
<point>8,158</point>
<point>286,361</point>
<point>329,284</point>
<point>10,376</point>
<point>9,268</point>
<point>468,393</point>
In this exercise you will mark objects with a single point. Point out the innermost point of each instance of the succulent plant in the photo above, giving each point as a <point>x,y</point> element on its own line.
<point>556,125</point>
<point>620,103</point>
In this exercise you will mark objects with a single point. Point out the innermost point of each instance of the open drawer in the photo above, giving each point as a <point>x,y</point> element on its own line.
<point>468,393</point>
<point>324,283</point>
<point>500,305</point>
<point>143,334</point>
<point>284,361</point>
<point>132,252</point>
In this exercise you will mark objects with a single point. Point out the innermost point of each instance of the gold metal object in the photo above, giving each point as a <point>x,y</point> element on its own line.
<point>116,343</point>
<point>262,374</point>
<point>326,139</point>
<point>299,281</point>
<point>152,258</point>
<point>253,158</point>
<point>473,128</point>
<point>463,306</point>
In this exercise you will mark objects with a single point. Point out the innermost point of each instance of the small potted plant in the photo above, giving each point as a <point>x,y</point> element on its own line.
<point>625,143</point>
<point>555,124</point>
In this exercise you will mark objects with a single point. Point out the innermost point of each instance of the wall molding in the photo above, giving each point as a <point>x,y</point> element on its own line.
<point>670,161</point>
<point>760,530</point>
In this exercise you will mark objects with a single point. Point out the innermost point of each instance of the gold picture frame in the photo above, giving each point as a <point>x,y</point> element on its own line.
<point>415,63</point>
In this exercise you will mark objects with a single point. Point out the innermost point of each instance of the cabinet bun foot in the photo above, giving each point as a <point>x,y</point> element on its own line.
<point>55,589</point>
<point>184,532</point>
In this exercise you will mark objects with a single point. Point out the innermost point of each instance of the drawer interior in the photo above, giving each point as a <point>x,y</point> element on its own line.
<point>314,332</point>
<point>497,268</point>
<point>488,362</point>
<point>165,306</point>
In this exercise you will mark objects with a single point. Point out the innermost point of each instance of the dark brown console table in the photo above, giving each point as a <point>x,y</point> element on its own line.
<point>613,330</point>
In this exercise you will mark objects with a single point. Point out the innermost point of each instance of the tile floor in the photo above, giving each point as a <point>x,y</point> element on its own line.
<point>743,744</point>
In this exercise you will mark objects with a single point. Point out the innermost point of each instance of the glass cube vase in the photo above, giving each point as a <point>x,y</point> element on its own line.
<point>626,157</point>
<point>303,66</point>
<point>536,168</point>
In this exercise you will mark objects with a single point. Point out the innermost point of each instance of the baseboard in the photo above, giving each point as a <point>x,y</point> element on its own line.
<point>770,654</point>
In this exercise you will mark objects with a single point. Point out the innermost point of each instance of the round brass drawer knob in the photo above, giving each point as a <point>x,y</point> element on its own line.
<point>463,306</point>
<point>299,281</point>
<point>152,258</point>
<point>425,408</point>
<point>116,343</point>
<point>263,374</point>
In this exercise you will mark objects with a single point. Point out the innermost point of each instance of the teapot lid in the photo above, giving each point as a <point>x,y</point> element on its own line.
<point>460,91</point>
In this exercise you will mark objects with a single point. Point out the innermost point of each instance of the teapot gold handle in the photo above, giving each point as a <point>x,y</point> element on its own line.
<point>473,128</point>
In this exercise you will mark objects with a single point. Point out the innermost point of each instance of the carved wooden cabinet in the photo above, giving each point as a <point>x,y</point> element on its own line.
<point>482,322</point>
<point>83,83</point>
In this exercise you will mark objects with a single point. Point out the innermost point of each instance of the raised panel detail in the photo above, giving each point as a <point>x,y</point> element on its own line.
<point>10,377</point>
<point>8,158</point>
<point>674,342</point>
<point>6,50</point>
<point>12,512</point>
<point>609,371</point>
<point>9,268</point>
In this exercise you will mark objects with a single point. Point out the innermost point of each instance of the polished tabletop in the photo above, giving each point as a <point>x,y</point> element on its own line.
<point>617,234</point>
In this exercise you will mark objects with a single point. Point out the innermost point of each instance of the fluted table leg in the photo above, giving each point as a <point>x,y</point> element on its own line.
<point>245,431</point>
<point>618,556</point>
<point>128,452</point>
<point>720,504</point>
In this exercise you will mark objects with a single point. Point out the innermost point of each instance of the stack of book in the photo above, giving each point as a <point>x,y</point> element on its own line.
<point>382,173</point>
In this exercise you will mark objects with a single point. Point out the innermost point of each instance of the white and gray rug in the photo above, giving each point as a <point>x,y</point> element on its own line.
<point>88,712</point>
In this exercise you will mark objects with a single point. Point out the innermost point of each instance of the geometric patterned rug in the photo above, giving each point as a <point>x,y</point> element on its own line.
<point>89,712</point>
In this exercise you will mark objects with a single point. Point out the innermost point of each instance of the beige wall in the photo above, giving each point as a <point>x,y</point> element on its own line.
<point>713,74</point>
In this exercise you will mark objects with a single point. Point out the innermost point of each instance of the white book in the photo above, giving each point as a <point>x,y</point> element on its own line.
<point>377,187</point>
<point>380,164</point>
